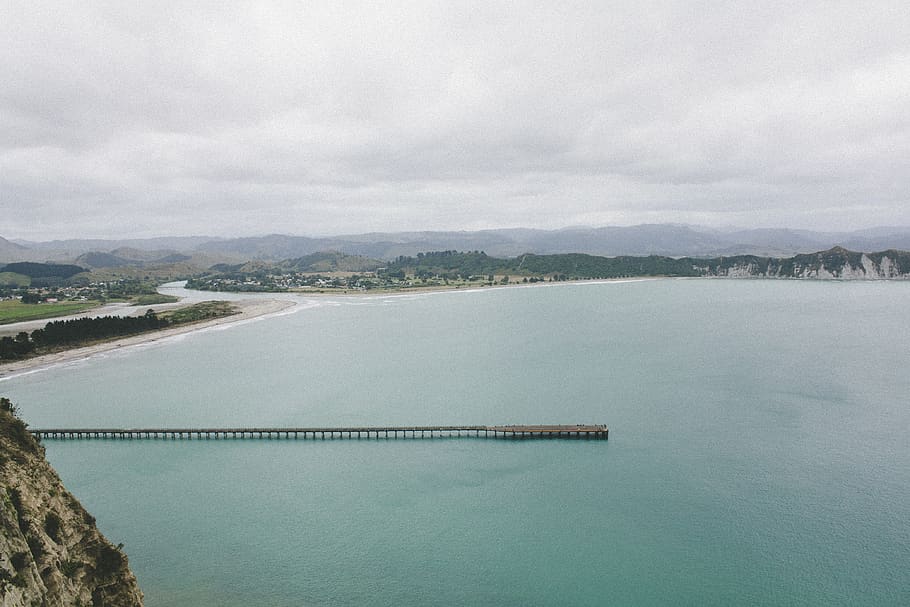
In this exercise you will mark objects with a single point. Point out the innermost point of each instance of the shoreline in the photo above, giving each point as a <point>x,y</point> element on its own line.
<point>255,308</point>
<point>456,288</point>
<point>247,309</point>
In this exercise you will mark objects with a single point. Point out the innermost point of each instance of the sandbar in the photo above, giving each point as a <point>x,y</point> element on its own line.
<point>248,308</point>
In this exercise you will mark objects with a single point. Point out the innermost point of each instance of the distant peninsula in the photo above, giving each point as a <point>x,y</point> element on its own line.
<point>335,271</point>
<point>195,318</point>
<point>58,335</point>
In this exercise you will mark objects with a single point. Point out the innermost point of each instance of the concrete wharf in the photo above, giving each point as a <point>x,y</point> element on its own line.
<point>596,431</point>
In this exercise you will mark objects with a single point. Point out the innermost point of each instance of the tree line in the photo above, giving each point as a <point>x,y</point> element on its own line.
<point>562,266</point>
<point>565,266</point>
<point>78,330</point>
<point>43,270</point>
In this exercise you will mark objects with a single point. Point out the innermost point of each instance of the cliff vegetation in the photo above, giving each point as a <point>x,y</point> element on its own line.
<point>51,552</point>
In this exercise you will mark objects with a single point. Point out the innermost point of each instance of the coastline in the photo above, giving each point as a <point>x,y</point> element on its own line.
<point>248,309</point>
<point>253,308</point>
<point>473,288</point>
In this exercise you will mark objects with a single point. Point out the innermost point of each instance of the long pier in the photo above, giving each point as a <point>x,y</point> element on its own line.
<point>596,432</point>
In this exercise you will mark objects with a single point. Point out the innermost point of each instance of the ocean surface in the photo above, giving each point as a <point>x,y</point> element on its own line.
<point>759,449</point>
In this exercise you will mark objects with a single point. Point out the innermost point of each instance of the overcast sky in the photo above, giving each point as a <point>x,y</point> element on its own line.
<point>315,118</point>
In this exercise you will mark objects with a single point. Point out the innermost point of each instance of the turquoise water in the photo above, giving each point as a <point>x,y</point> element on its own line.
<point>758,452</point>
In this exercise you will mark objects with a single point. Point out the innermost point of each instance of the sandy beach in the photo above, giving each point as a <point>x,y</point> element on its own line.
<point>250,308</point>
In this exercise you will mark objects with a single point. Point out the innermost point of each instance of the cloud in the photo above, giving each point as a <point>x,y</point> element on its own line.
<point>343,117</point>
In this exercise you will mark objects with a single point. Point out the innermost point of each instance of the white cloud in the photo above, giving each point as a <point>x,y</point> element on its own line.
<point>344,117</point>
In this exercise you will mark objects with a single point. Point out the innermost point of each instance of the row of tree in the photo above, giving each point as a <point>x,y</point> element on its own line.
<point>68,332</point>
<point>14,348</point>
<point>559,266</point>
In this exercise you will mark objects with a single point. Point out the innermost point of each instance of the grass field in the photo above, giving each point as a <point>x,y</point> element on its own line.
<point>11,279</point>
<point>16,311</point>
<point>157,298</point>
<point>200,311</point>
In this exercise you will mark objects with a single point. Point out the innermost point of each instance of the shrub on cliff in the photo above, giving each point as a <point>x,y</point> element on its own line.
<point>15,429</point>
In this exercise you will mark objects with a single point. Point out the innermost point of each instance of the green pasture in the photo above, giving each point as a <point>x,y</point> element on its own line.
<point>15,311</point>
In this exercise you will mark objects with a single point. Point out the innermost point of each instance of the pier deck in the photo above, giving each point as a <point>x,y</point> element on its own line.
<point>596,431</point>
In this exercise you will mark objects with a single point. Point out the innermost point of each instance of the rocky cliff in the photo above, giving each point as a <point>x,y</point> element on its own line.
<point>51,553</point>
<point>838,263</point>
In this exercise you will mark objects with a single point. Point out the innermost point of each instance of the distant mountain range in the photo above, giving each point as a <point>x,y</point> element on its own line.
<point>649,239</point>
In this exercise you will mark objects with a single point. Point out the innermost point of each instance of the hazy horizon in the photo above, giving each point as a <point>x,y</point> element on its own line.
<point>228,236</point>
